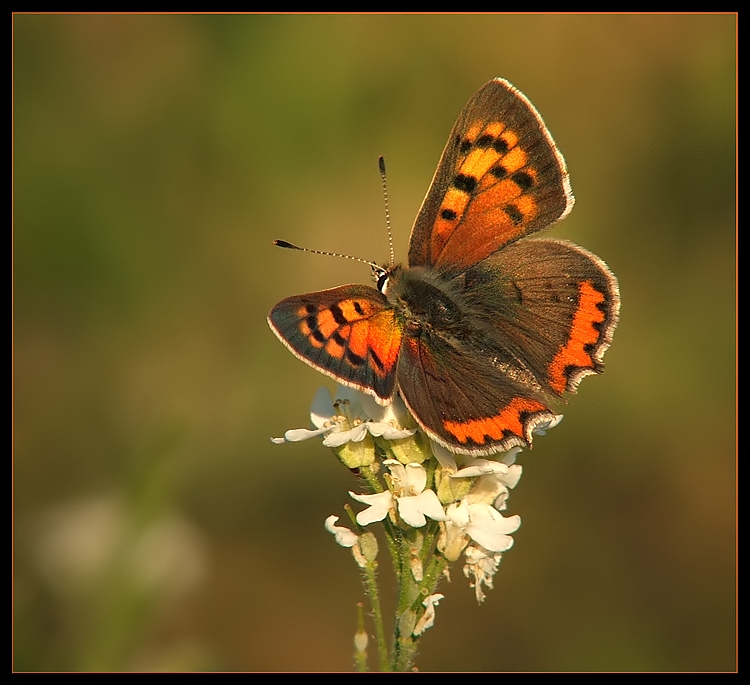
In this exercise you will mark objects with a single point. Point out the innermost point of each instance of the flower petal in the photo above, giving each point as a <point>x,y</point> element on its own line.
<point>366,405</point>
<point>338,438</point>
<point>299,434</point>
<point>415,479</point>
<point>344,536</point>
<point>414,509</point>
<point>410,511</point>
<point>458,513</point>
<point>396,413</point>
<point>378,506</point>
<point>509,457</point>
<point>490,528</point>
<point>479,467</point>
<point>427,620</point>
<point>513,476</point>
<point>389,432</point>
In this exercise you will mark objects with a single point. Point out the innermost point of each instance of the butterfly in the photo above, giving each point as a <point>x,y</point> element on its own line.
<point>484,328</point>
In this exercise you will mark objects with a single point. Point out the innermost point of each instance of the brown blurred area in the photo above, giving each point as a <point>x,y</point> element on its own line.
<point>155,160</point>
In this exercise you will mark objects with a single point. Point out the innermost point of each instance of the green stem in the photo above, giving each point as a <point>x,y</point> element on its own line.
<point>413,592</point>
<point>370,582</point>
<point>395,540</point>
<point>405,646</point>
<point>360,641</point>
<point>369,567</point>
<point>418,569</point>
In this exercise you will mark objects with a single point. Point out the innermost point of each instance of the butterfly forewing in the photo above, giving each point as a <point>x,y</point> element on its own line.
<point>500,177</point>
<point>348,333</point>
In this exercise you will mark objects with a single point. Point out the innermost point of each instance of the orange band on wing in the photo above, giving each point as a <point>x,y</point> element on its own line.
<point>509,420</point>
<point>582,333</point>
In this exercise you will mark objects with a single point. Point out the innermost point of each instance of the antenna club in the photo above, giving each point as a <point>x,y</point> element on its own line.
<point>285,244</point>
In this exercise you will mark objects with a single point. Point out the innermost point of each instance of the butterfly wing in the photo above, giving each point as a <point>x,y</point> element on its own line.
<point>348,333</point>
<point>549,304</point>
<point>537,317</point>
<point>500,177</point>
<point>468,402</point>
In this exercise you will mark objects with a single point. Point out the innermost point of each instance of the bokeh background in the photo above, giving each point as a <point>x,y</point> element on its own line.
<point>156,158</point>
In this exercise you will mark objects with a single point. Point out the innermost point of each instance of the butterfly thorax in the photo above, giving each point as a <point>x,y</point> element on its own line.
<point>425,303</point>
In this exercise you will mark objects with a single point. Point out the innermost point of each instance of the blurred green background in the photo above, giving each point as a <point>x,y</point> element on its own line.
<point>155,160</point>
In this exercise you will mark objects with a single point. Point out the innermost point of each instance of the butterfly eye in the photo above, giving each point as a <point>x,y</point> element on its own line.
<point>383,281</point>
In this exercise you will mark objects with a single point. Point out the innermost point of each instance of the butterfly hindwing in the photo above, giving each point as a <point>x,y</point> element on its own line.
<point>465,401</point>
<point>550,305</point>
<point>348,333</point>
<point>500,177</point>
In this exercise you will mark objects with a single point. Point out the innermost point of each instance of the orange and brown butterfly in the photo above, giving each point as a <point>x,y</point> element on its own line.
<point>484,328</point>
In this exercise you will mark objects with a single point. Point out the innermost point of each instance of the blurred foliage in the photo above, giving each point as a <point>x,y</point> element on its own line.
<point>157,157</point>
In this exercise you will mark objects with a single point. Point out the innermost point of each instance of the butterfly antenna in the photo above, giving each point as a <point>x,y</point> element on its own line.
<point>291,246</point>
<point>381,166</point>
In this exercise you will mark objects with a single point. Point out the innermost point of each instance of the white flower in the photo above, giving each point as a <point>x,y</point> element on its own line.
<point>344,536</point>
<point>480,567</point>
<point>363,415</point>
<point>427,620</point>
<point>507,475</point>
<point>414,502</point>
<point>493,479</point>
<point>490,528</point>
<point>378,506</point>
<point>479,521</point>
<point>407,488</point>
